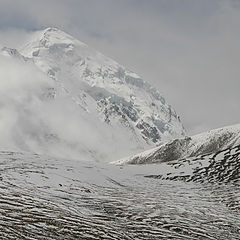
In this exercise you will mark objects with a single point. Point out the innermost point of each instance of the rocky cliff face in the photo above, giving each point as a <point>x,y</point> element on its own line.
<point>111,104</point>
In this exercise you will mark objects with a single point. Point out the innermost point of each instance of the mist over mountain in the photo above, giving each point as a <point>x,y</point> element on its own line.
<point>62,98</point>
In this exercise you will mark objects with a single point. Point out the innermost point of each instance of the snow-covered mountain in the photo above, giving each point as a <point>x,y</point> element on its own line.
<point>198,145</point>
<point>88,105</point>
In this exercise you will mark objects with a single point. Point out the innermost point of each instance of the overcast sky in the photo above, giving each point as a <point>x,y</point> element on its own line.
<point>188,49</point>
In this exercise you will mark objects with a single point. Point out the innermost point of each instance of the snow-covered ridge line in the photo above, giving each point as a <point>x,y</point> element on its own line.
<point>200,144</point>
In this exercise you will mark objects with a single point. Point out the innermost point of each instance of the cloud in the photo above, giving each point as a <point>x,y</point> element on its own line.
<point>20,94</point>
<point>187,49</point>
<point>31,120</point>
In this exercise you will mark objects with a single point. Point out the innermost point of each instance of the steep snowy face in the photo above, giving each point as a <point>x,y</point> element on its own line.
<point>198,145</point>
<point>92,107</point>
<point>122,97</point>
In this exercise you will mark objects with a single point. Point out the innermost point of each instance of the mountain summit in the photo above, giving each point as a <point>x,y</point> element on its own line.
<point>92,106</point>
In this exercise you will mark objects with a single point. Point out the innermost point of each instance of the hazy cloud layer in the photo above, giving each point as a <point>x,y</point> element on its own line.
<point>188,49</point>
<point>32,121</point>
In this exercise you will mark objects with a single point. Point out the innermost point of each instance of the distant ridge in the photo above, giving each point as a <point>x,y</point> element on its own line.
<point>197,145</point>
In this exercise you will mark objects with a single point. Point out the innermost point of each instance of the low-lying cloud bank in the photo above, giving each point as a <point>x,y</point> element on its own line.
<point>21,87</point>
<point>32,120</point>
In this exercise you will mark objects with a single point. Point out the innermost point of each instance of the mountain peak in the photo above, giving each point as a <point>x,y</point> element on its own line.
<point>56,34</point>
<point>50,37</point>
<point>51,29</point>
<point>104,92</point>
<point>59,54</point>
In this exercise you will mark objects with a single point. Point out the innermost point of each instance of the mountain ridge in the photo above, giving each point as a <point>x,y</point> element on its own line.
<point>191,146</point>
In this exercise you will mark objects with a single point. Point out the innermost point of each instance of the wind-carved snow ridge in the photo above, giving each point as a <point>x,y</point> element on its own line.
<point>200,144</point>
<point>95,108</point>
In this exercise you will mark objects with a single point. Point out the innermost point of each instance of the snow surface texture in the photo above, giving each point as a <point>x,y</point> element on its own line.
<point>51,198</point>
<point>77,103</point>
<point>200,144</point>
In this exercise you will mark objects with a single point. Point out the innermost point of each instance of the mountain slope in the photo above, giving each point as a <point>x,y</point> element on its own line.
<point>91,106</point>
<point>200,144</point>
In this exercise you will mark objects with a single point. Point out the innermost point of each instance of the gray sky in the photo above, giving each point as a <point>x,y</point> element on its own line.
<point>188,49</point>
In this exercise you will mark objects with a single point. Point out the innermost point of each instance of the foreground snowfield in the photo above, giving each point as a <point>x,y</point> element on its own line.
<point>49,198</point>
